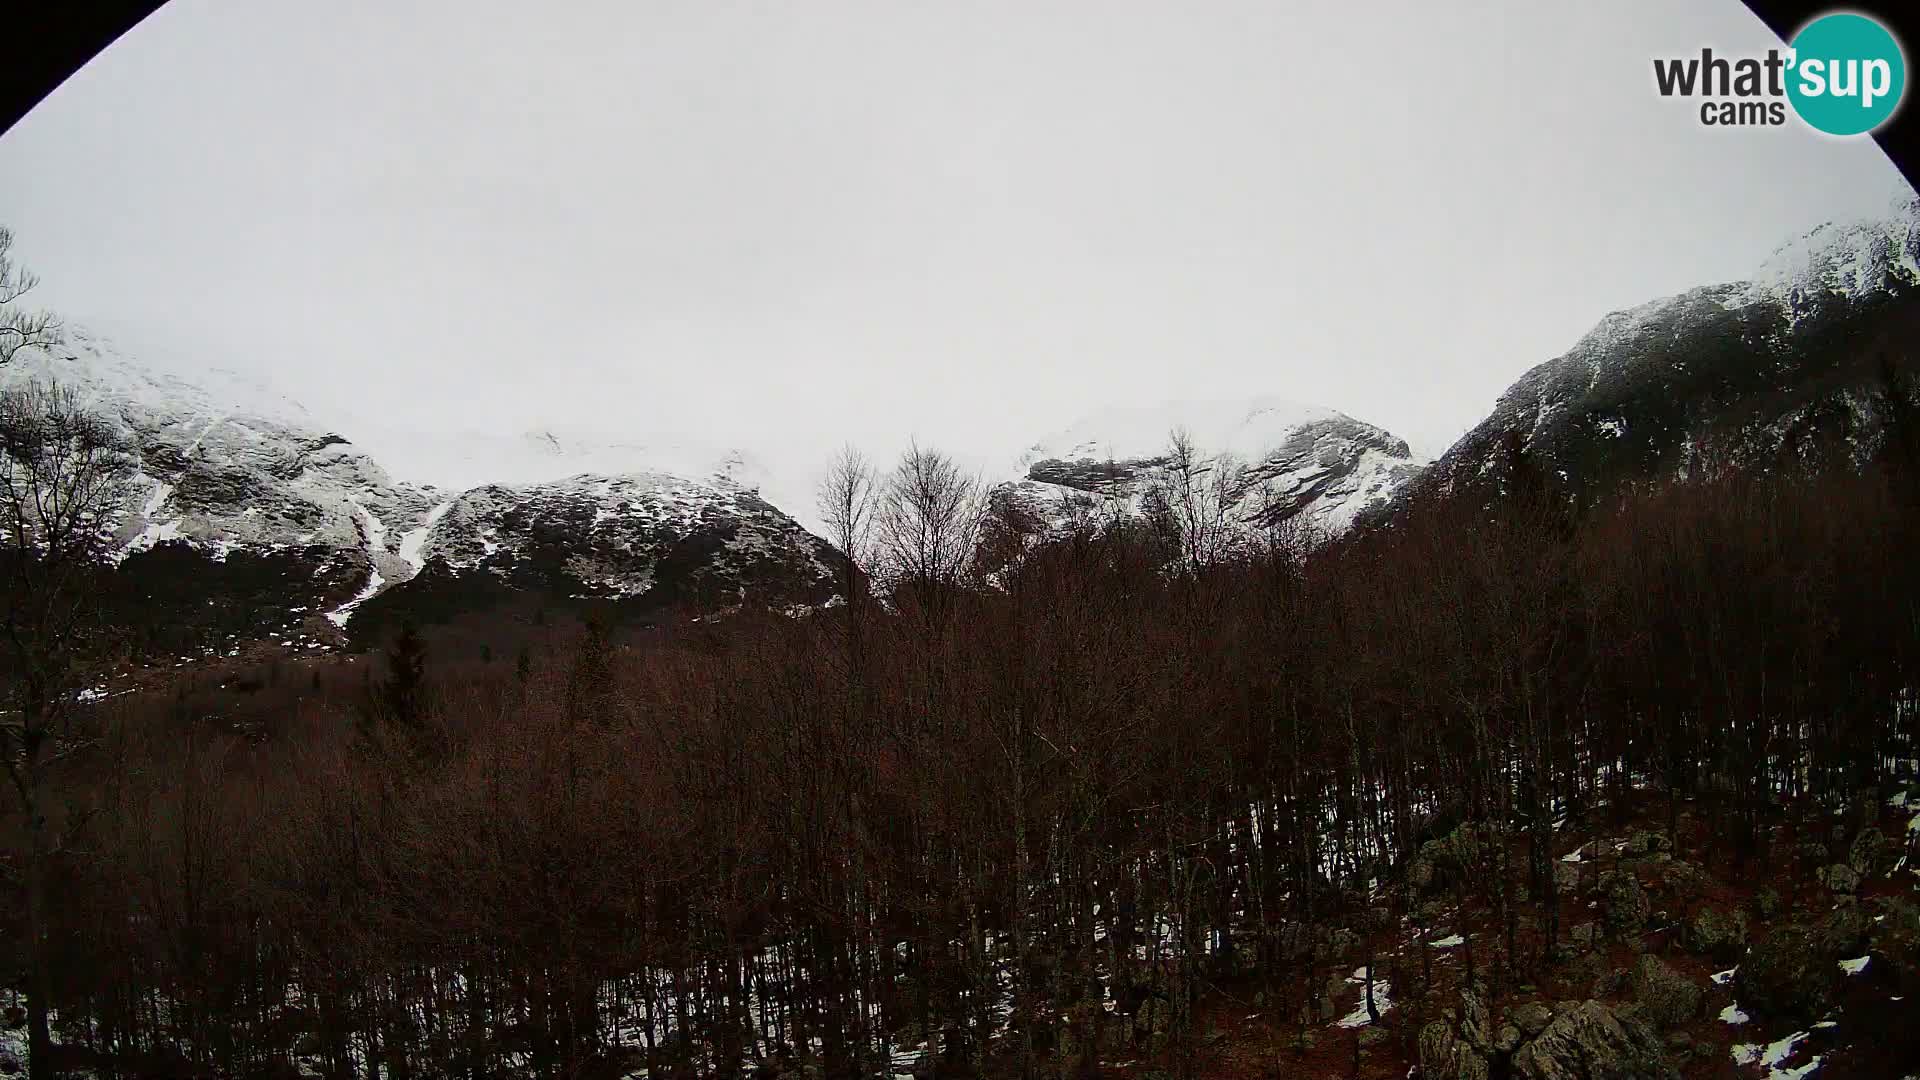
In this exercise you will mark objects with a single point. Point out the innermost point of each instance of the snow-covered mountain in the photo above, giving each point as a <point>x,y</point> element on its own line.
<point>240,490</point>
<point>1291,462</point>
<point>225,462</point>
<point>646,539</point>
<point>1788,362</point>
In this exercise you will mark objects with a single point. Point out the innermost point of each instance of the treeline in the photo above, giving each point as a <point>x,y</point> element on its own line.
<point>1020,816</point>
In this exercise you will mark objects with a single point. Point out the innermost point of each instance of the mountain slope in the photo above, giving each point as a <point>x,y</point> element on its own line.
<point>248,521</point>
<point>1309,465</point>
<point>1789,363</point>
<point>643,542</point>
<point>245,520</point>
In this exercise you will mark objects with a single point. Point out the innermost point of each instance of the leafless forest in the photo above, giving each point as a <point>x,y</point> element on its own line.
<point>1015,809</point>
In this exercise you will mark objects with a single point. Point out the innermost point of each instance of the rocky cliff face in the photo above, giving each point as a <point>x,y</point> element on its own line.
<point>643,541</point>
<point>248,520</point>
<point>1278,461</point>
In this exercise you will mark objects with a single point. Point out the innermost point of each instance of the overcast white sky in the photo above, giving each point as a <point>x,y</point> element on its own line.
<point>787,225</point>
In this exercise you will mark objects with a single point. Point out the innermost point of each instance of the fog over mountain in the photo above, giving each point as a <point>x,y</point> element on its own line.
<point>740,226</point>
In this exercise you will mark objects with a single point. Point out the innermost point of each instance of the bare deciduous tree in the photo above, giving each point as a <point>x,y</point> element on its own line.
<point>848,498</point>
<point>63,474</point>
<point>20,328</point>
<point>928,525</point>
<point>1193,501</point>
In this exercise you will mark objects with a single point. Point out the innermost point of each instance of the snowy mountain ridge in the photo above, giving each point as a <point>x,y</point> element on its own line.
<point>1306,464</point>
<point>1768,365</point>
<point>227,466</point>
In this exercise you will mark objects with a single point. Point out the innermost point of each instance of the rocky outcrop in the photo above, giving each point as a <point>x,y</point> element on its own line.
<point>1896,942</point>
<point>1446,1056</point>
<point>1719,934</point>
<point>1446,861</point>
<point>1789,975</point>
<point>1264,462</point>
<point>1844,931</point>
<point>642,542</point>
<point>1665,996</point>
<point>1590,1041</point>
<point>1623,903</point>
<point>1839,877</point>
<point>1868,854</point>
<point>1583,1041</point>
<point>248,521</point>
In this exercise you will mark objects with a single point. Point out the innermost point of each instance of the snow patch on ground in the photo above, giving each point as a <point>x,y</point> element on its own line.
<point>1773,1057</point>
<point>375,532</point>
<point>413,542</point>
<point>1382,1000</point>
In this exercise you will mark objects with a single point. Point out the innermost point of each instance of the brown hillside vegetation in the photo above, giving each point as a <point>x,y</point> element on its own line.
<point>1126,804</point>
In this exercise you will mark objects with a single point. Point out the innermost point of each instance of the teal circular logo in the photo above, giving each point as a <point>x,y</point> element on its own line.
<point>1848,74</point>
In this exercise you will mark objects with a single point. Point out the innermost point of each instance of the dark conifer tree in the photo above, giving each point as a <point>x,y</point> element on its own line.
<point>590,683</point>
<point>402,696</point>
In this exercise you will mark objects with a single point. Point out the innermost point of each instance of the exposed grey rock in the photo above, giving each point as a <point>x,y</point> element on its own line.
<point>1421,874</point>
<point>1475,1026</point>
<point>647,537</point>
<point>1789,975</point>
<point>1589,1041</point>
<point>1839,877</point>
<point>1582,935</point>
<point>1642,844</point>
<point>1843,932</point>
<point>1444,1056</point>
<point>1665,996</point>
<point>1532,1018</point>
<point>1566,876</point>
<point>1716,933</point>
<point>1684,879</point>
<point>1896,942</point>
<point>230,471</point>
<point>1868,855</point>
<point>1611,982</point>
<point>1506,1040</point>
<point>1623,903</point>
<point>1313,467</point>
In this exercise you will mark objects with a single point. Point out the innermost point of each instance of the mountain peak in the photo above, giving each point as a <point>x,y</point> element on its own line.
<point>1774,364</point>
<point>239,491</point>
<point>1305,462</point>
